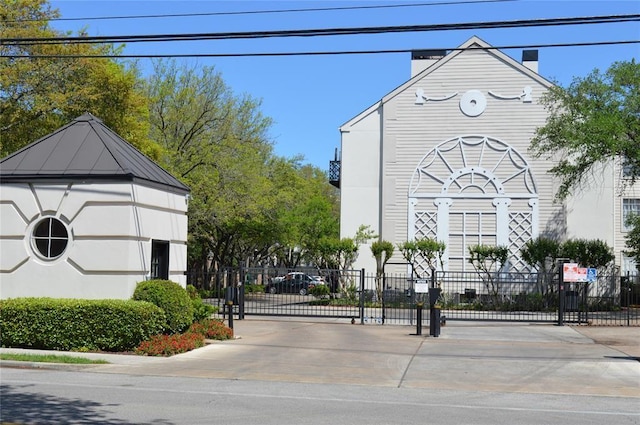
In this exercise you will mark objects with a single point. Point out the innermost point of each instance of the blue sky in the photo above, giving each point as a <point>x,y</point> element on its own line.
<point>309,97</point>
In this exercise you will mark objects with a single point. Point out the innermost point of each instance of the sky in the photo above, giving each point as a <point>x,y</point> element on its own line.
<point>310,97</point>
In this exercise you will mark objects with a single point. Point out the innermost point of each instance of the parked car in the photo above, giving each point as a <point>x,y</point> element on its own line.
<point>292,283</point>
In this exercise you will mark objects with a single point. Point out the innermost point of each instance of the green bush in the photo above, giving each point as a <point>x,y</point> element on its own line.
<point>170,297</point>
<point>253,288</point>
<point>80,325</point>
<point>320,291</point>
<point>201,310</point>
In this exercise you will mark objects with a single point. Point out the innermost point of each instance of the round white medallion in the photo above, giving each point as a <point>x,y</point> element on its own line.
<point>473,103</point>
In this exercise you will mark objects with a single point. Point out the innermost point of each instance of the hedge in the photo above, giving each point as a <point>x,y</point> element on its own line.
<point>78,325</point>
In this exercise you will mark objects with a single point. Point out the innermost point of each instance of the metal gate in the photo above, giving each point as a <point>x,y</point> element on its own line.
<point>272,292</point>
<point>393,299</point>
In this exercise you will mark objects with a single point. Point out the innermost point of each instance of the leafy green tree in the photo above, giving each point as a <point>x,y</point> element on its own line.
<point>39,95</point>
<point>487,260</point>
<point>308,211</point>
<point>342,254</point>
<point>594,121</point>
<point>248,207</point>
<point>217,143</point>
<point>427,249</point>
<point>541,254</point>
<point>409,251</point>
<point>382,251</point>
<point>593,253</point>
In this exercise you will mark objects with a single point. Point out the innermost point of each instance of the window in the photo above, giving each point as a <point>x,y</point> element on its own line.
<point>160,260</point>
<point>50,238</point>
<point>628,265</point>
<point>629,207</point>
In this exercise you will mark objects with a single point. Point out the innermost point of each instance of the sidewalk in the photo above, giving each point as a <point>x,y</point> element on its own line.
<point>467,355</point>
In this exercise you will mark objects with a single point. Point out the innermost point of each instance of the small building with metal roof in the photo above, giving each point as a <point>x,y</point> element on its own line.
<point>83,214</point>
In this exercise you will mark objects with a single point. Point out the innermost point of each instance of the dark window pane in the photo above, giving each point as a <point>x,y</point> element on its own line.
<point>57,247</point>
<point>42,229</point>
<point>43,246</point>
<point>58,230</point>
<point>50,237</point>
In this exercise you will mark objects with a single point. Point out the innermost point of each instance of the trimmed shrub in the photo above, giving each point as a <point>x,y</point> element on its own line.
<point>201,310</point>
<point>320,291</point>
<point>78,325</point>
<point>170,297</point>
<point>169,345</point>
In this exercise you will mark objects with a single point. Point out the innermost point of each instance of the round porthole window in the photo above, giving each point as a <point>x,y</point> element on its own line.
<point>50,238</point>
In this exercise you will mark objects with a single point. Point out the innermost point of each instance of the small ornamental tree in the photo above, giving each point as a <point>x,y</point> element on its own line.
<point>487,260</point>
<point>588,253</point>
<point>382,252</point>
<point>344,253</point>
<point>431,251</point>
<point>541,254</point>
<point>427,249</point>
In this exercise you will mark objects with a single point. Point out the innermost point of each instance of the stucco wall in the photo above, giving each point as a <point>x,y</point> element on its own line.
<point>360,181</point>
<point>110,229</point>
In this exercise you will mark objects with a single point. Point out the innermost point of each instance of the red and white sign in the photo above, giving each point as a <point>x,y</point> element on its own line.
<point>573,273</point>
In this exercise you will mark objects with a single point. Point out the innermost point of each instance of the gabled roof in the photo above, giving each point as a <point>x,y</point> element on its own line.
<point>472,43</point>
<point>84,149</point>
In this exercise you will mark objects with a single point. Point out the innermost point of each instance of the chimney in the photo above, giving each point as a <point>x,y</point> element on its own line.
<point>422,59</point>
<point>530,59</point>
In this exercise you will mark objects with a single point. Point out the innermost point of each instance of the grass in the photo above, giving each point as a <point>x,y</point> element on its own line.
<point>49,358</point>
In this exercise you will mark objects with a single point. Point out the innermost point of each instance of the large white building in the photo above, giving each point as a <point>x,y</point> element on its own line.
<point>83,214</point>
<point>445,155</point>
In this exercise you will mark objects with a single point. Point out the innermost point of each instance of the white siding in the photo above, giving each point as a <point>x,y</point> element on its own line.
<point>414,129</point>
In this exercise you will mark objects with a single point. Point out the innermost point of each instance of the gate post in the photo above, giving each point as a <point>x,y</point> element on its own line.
<point>362,297</point>
<point>561,294</point>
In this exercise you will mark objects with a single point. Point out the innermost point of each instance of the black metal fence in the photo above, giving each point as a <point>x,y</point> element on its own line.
<point>394,298</point>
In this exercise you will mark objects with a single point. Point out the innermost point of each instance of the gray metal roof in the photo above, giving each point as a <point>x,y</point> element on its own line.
<point>84,149</point>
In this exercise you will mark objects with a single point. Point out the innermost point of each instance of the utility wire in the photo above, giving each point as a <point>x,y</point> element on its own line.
<point>258,12</point>
<point>322,31</point>
<point>325,53</point>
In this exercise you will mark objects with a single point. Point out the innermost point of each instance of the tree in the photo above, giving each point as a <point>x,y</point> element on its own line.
<point>307,211</point>
<point>342,254</point>
<point>39,95</point>
<point>541,253</point>
<point>429,250</point>
<point>215,142</point>
<point>487,260</point>
<point>248,206</point>
<point>593,253</point>
<point>382,251</point>
<point>592,122</point>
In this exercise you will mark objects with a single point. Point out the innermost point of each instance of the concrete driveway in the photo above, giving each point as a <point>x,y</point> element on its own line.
<point>467,356</point>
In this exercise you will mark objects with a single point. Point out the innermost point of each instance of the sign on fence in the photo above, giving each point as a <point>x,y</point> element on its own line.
<point>573,273</point>
<point>421,286</point>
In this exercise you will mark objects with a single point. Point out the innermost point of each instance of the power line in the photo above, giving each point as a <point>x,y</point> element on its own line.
<point>273,11</point>
<point>323,53</point>
<point>323,31</point>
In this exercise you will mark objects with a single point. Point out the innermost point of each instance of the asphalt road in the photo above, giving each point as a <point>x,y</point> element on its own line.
<point>298,372</point>
<point>63,397</point>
